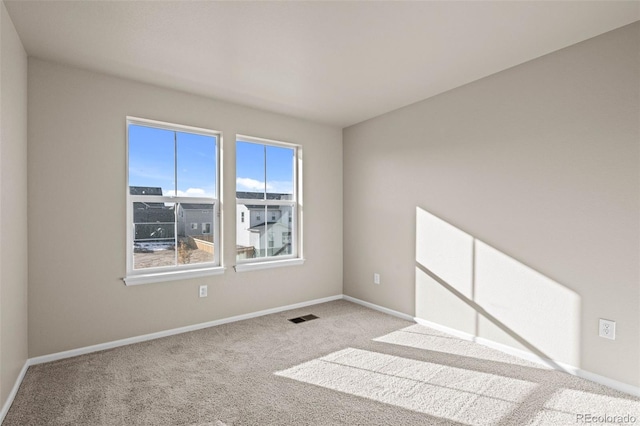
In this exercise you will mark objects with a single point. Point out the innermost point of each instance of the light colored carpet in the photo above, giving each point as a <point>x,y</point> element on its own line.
<point>352,366</point>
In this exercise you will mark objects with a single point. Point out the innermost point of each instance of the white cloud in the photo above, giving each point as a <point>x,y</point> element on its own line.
<point>249,184</point>
<point>190,192</point>
<point>284,187</point>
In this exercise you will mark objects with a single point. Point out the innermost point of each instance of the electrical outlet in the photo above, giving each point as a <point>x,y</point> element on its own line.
<point>607,329</point>
<point>203,291</point>
<point>376,278</point>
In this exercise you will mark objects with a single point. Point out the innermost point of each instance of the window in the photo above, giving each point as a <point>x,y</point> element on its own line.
<point>268,185</point>
<point>173,182</point>
<point>242,217</point>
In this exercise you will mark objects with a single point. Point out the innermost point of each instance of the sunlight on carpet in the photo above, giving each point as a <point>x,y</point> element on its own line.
<point>434,389</point>
<point>566,404</point>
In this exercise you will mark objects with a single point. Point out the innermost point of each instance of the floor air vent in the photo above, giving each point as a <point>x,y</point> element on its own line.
<point>303,318</point>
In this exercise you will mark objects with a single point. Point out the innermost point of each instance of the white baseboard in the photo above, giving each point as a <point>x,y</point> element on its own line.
<point>174,331</point>
<point>14,391</point>
<point>623,387</point>
<point>378,308</point>
<point>452,331</point>
<point>123,342</point>
<point>145,337</point>
<point>550,363</point>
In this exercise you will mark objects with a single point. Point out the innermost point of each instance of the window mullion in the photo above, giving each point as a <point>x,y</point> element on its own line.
<point>216,235</point>
<point>175,164</point>
<point>176,204</point>
<point>266,231</point>
<point>175,233</point>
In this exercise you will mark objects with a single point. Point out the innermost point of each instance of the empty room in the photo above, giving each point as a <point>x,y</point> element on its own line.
<point>218,213</point>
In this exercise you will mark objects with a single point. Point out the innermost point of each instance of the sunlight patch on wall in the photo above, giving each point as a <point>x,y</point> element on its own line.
<point>437,304</point>
<point>445,250</point>
<point>448,253</point>
<point>534,306</point>
<point>465,284</point>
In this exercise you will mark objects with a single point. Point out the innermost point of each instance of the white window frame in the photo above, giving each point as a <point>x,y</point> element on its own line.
<point>178,272</point>
<point>296,256</point>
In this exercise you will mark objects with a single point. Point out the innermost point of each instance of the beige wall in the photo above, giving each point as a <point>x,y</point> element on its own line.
<point>77,212</point>
<point>13,205</point>
<point>536,171</point>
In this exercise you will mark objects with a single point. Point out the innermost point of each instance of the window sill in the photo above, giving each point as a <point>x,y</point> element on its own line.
<point>254,266</point>
<point>172,276</point>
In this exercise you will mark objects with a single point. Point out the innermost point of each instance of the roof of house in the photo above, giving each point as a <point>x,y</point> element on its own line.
<point>192,206</point>
<point>260,196</point>
<point>152,213</point>
<point>145,190</point>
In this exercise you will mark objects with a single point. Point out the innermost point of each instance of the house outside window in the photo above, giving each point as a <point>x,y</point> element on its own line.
<point>268,187</point>
<point>172,186</point>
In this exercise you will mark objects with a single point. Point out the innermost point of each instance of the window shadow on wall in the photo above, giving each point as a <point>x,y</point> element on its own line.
<point>464,284</point>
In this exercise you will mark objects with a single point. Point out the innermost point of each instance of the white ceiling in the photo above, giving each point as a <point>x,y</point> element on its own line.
<point>331,62</point>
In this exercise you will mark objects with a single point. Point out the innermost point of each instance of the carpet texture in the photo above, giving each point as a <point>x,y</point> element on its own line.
<point>351,366</point>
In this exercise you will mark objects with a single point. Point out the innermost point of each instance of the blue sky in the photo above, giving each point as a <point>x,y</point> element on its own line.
<point>152,158</point>
<point>250,168</point>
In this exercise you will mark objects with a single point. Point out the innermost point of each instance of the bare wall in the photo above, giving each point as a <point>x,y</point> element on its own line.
<point>77,212</point>
<point>13,205</point>
<point>539,166</point>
